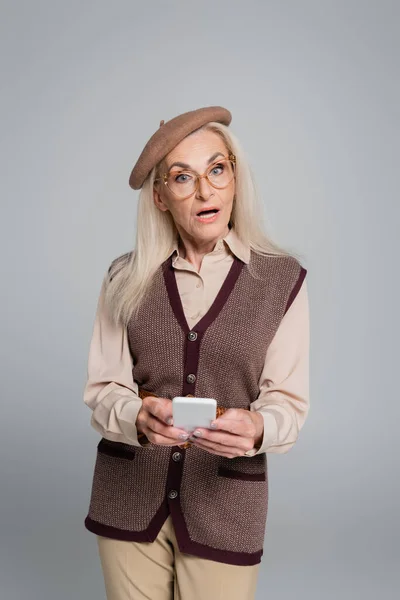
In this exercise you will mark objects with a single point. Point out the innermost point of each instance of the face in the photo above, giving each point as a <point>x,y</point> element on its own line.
<point>196,150</point>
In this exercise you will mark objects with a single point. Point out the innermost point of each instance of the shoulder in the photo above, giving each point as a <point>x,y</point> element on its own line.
<point>118,263</point>
<point>282,274</point>
<point>277,266</point>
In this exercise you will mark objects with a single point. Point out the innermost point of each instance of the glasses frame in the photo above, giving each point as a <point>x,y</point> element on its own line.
<point>164,177</point>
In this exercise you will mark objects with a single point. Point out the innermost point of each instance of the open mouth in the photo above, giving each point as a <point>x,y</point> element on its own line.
<point>208,213</point>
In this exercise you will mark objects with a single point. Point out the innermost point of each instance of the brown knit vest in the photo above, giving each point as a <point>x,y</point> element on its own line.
<point>218,505</point>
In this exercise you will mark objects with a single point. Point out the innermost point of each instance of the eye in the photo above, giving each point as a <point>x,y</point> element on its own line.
<point>217,169</point>
<point>182,178</point>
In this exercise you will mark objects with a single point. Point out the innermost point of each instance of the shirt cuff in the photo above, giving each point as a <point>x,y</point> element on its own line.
<point>127,421</point>
<point>270,434</point>
<point>115,417</point>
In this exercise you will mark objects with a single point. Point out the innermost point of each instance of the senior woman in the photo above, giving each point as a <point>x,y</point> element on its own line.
<point>205,305</point>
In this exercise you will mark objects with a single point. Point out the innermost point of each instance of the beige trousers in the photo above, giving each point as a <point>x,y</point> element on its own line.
<point>159,571</point>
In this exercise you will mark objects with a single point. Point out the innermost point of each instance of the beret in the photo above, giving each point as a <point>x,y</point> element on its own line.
<point>169,134</point>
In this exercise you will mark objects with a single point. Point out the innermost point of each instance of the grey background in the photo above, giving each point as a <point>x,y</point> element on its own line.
<point>314,91</point>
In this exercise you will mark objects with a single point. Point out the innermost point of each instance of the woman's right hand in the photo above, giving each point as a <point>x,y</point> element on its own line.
<point>154,420</point>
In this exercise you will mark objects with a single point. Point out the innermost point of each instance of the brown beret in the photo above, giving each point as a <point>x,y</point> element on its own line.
<point>169,135</point>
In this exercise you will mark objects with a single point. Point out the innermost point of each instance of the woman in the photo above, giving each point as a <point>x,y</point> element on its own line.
<point>205,306</point>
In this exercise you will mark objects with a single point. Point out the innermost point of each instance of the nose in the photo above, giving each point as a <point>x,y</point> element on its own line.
<point>205,190</point>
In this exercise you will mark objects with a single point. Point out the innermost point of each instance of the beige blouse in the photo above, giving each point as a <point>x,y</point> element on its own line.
<point>112,394</point>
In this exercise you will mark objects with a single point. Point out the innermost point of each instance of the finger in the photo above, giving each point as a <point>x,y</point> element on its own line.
<point>228,451</point>
<point>159,439</point>
<point>242,425</point>
<point>215,451</point>
<point>238,414</point>
<point>232,442</point>
<point>161,408</point>
<point>224,439</point>
<point>173,433</point>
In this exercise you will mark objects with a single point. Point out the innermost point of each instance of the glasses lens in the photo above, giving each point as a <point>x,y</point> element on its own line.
<point>181,183</point>
<point>221,173</point>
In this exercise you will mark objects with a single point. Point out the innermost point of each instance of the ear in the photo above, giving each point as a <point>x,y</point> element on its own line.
<point>158,200</point>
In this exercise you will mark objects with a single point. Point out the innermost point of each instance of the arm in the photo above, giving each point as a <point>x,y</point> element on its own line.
<point>283,400</point>
<point>110,391</point>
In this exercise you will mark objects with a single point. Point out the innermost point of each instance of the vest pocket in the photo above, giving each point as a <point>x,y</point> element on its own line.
<point>233,474</point>
<point>117,449</point>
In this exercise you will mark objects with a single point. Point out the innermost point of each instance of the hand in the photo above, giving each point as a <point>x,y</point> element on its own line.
<point>235,432</point>
<point>154,420</point>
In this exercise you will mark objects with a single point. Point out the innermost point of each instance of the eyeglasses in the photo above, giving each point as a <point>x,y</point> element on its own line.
<point>185,182</point>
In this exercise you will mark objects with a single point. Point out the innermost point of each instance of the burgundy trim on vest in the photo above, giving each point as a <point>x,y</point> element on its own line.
<point>296,288</point>
<point>231,474</point>
<point>146,535</point>
<point>115,449</point>
<point>174,477</point>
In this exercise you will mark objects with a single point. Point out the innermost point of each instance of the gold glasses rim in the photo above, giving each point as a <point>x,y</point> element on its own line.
<point>164,177</point>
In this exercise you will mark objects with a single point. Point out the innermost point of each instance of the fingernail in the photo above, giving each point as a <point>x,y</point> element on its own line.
<point>213,426</point>
<point>197,433</point>
<point>183,436</point>
<point>169,421</point>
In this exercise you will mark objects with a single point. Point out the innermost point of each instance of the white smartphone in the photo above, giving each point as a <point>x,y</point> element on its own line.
<point>190,412</point>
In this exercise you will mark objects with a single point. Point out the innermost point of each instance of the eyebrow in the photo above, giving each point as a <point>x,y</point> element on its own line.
<point>186,166</point>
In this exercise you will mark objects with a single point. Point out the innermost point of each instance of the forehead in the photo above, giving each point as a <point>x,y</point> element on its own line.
<point>196,148</point>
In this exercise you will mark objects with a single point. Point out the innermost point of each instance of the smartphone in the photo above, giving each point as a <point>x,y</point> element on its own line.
<point>190,412</point>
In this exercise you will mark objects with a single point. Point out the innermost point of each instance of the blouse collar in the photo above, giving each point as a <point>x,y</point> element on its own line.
<point>230,242</point>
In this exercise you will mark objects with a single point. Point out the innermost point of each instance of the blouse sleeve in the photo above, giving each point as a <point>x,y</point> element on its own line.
<point>110,391</point>
<point>283,400</point>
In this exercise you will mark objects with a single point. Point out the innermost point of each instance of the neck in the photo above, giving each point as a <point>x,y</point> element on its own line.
<point>194,250</point>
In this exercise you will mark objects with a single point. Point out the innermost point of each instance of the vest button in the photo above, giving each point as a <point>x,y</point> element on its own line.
<point>192,336</point>
<point>172,494</point>
<point>176,456</point>
<point>191,378</point>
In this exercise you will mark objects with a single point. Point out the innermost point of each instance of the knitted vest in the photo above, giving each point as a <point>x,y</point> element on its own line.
<point>218,505</point>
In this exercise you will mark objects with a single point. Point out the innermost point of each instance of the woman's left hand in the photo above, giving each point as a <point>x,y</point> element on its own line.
<point>236,432</point>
